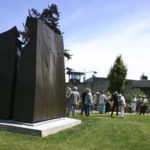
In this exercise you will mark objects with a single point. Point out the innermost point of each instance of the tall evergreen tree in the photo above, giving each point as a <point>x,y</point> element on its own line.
<point>117,76</point>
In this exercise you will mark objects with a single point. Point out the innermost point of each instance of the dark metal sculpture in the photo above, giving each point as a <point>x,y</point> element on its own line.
<point>40,84</point>
<point>8,58</point>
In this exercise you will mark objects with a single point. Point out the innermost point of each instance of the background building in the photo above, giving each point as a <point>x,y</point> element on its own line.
<point>101,84</point>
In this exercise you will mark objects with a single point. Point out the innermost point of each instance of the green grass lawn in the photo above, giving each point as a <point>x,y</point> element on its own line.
<point>97,132</point>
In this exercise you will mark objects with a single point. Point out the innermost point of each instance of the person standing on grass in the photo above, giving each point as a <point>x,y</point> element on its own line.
<point>68,93</point>
<point>102,103</point>
<point>138,102</point>
<point>116,103</point>
<point>133,103</point>
<point>92,105</point>
<point>96,99</point>
<point>107,109</point>
<point>74,97</point>
<point>122,104</point>
<point>87,102</point>
<point>144,104</point>
<point>83,99</point>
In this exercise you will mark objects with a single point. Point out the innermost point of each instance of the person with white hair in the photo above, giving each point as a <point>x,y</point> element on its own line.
<point>87,102</point>
<point>144,104</point>
<point>122,104</point>
<point>74,97</point>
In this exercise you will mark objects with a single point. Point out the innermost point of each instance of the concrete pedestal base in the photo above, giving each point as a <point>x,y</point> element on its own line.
<point>42,129</point>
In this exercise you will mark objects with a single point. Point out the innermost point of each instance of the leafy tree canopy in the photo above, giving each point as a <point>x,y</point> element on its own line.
<point>49,16</point>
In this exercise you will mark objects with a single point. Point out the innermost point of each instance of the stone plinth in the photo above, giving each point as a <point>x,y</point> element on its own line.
<point>41,129</point>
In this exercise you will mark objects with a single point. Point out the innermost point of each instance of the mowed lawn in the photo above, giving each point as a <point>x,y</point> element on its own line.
<point>97,132</point>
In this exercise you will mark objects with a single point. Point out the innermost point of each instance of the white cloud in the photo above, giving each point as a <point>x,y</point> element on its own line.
<point>99,54</point>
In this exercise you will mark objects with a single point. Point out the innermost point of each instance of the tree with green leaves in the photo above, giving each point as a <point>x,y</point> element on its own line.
<point>50,17</point>
<point>117,76</point>
<point>132,93</point>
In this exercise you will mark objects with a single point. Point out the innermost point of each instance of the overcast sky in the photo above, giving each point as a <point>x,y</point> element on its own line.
<point>95,31</point>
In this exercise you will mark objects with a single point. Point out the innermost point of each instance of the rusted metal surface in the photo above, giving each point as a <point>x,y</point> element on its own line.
<point>40,88</point>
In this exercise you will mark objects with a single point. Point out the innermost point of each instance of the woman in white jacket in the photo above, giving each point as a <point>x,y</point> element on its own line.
<point>122,104</point>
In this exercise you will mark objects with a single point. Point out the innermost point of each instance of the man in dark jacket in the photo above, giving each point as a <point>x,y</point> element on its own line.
<point>83,99</point>
<point>116,103</point>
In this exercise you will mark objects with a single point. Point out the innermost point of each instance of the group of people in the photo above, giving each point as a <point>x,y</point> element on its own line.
<point>73,97</point>
<point>101,102</point>
<point>139,104</point>
<point>118,100</point>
